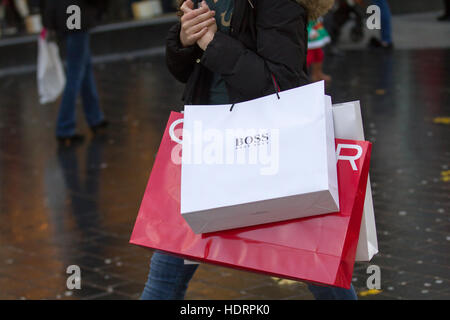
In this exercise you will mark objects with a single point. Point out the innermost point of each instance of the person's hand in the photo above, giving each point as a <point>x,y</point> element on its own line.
<point>195,23</point>
<point>208,37</point>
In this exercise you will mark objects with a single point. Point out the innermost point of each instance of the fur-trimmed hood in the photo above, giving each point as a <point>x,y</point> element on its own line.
<point>316,8</point>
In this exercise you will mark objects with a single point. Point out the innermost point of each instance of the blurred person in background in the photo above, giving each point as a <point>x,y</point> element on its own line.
<point>12,20</point>
<point>386,26</point>
<point>344,11</point>
<point>79,72</point>
<point>446,15</point>
<point>318,37</point>
<point>222,60</point>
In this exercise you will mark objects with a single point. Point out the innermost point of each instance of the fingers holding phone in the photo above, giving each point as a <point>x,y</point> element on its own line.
<point>196,23</point>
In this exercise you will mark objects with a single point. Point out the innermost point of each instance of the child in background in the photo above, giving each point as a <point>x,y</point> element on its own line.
<point>318,37</point>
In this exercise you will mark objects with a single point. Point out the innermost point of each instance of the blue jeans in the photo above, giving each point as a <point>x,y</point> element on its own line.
<point>386,27</point>
<point>169,278</point>
<point>79,79</point>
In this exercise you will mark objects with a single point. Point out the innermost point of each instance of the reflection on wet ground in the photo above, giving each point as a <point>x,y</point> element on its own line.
<point>77,205</point>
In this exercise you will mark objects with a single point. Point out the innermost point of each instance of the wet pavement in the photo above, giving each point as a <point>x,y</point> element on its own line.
<point>77,205</point>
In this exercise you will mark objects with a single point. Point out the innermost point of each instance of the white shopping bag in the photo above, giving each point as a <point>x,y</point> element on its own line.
<point>348,125</point>
<point>261,161</point>
<point>50,73</point>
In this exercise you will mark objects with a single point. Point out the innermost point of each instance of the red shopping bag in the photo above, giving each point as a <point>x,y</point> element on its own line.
<point>318,249</point>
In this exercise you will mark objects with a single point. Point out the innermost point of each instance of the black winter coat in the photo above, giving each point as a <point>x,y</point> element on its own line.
<point>267,41</point>
<point>54,13</point>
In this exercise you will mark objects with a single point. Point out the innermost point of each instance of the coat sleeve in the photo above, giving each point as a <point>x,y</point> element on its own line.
<point>281,44</point>
<point>180,60</point>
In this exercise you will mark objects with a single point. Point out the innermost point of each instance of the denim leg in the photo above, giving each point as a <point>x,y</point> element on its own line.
<point>77,43</point>
<point>92,111</point>
<point>168,278</point>
<point>332,293</point>
<point>386,27</point>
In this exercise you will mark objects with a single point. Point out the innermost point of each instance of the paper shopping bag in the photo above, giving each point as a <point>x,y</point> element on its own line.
<point>318,249</point>
<point>348,125</point>
<point>271,159</point>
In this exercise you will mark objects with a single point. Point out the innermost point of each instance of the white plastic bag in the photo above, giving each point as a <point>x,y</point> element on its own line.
<point>50,73</point>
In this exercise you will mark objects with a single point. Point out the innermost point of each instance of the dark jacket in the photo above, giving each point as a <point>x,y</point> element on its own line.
<point>267,41</point>
<point>54,13</point>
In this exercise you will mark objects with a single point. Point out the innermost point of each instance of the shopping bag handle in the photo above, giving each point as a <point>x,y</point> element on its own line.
<point>275,86</point>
